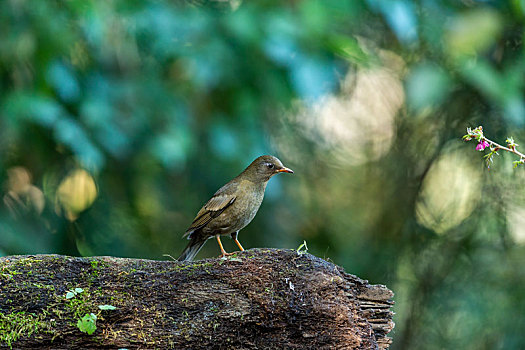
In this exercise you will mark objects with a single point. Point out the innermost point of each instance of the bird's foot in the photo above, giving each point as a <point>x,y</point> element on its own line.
<point>224,255</point>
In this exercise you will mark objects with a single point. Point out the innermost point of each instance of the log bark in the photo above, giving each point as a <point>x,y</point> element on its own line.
<point>256,299</point>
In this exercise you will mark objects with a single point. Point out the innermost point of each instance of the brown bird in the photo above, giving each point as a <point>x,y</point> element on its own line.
<point>232,207</point>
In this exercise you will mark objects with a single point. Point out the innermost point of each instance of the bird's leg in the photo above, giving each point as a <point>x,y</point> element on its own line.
<point>239,244</point>
<point>223,252</point>
<point>234,237</point>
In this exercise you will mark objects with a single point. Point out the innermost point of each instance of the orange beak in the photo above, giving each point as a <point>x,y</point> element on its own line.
<point>285,170</point>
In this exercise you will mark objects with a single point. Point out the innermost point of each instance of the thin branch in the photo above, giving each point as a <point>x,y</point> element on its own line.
<point>483,142</point>
<point>497,147</point>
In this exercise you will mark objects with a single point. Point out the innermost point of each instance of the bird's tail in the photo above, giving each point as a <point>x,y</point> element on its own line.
<point>192,249</point>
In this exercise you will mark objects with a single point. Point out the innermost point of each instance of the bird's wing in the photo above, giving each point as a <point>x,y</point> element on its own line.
<point>213,208</point>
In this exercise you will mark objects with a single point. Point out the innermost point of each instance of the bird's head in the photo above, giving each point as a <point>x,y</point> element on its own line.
<point>264,167</point>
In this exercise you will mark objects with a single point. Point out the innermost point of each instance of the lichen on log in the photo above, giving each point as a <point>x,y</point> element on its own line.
<point>256,299</point>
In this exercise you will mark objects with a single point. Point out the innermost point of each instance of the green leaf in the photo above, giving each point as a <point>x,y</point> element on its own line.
<point>78,290</point>
<point>107,307</point>
<point>473,31</point>
<point>301,247</point>
<point>88,323</point>
<point>348,48</point>
<point>518,162</point>
<point>70,295</point>
<point>485,78</point>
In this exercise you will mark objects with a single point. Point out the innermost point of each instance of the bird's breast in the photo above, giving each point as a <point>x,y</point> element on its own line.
<point>248,203</point>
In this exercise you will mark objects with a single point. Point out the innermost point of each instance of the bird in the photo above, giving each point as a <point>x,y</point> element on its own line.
<point>232,207</point>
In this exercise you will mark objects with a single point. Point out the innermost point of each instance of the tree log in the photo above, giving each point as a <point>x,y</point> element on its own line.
<point>256,299</point>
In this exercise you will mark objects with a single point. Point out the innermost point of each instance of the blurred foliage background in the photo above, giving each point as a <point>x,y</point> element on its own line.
<point>119,119</point>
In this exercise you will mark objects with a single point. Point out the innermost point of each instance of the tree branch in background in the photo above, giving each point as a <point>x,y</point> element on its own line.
<point>483,142</point>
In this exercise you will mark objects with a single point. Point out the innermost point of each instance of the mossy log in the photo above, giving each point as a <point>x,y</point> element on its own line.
<point>257,299</point>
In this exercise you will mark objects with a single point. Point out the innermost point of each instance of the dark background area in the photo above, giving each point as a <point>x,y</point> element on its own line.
<point>119,119</point>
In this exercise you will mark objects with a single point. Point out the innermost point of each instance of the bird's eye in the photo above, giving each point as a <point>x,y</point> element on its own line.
<point>270,165</point>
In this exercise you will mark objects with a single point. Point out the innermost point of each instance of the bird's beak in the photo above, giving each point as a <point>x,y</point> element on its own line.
<point>285,170</point>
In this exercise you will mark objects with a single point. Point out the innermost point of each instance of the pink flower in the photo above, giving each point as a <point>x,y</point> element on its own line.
<point>482,145</point>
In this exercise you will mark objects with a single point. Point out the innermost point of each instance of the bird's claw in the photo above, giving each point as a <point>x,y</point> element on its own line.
<point>224,255</point>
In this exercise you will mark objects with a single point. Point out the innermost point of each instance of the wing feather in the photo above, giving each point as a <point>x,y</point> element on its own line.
<point>213,208</point>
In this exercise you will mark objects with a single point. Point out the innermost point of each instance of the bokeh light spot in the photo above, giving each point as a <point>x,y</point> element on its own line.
<point>76,193</point>
<point>449,193</point>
